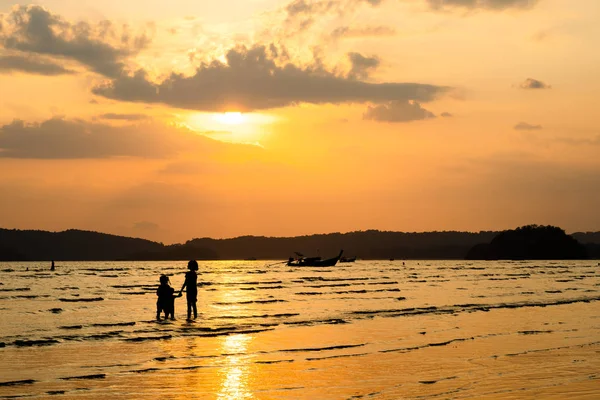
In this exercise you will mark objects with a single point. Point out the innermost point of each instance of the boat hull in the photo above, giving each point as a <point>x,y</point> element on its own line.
<point>315,262</point>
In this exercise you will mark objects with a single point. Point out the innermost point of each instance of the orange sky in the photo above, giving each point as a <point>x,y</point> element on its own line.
<point>181,119</point>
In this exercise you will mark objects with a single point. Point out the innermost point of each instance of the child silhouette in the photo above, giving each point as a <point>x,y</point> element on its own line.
<point>191,279</point>
<point>166,298</point>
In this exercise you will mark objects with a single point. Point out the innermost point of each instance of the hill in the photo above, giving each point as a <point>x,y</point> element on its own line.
<point>531,242</point>
<point>70,245</point>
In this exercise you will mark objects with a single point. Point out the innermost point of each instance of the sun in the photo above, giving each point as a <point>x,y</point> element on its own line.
<point>231,126</point>
<point>230,118</point>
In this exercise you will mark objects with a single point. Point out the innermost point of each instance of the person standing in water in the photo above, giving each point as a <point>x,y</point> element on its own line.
<point>52,267</point>
<point>191,294</point>
<point>166,298</point>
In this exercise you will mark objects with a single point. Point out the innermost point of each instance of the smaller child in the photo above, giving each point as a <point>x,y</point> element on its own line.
<point>166,298</point>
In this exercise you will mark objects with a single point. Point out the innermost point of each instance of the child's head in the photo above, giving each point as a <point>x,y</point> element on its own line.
<point>164,280</point>
<point>193,265</point>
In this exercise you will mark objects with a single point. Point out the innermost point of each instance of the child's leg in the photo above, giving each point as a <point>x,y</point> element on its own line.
<point>189,310</point>
<point>195,310</point>
<point>158,310</point>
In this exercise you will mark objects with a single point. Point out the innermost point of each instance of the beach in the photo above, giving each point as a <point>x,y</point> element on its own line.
<point>370,329</point>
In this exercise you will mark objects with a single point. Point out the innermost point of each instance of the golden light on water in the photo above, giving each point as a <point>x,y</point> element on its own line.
<point>236,372</point>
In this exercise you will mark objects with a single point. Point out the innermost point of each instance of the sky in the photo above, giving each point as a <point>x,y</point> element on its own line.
<point>188,118</point>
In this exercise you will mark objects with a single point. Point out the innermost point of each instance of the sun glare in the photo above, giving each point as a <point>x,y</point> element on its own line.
<point>230,118</point>
<point>231,126</point>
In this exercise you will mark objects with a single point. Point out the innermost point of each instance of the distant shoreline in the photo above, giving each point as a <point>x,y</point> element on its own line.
<point>77,245</point>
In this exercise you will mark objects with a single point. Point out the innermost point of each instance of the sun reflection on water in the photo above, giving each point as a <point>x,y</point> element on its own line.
<point>236,374</point>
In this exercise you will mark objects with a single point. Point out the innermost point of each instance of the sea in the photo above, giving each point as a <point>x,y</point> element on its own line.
<point>371,329</point>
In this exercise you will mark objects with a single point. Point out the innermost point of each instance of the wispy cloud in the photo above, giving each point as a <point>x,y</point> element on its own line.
<point>31,65</point>
<point>60,138</point>
<point>124,117</point>
<point>302,14</point>
<point>482,4</point>
<point>524,126</point>
<point>398,111</point>
<point>531,83</point>
<point>348,32</point>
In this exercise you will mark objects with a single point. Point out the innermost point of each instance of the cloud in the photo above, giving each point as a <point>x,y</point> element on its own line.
<point>361,65</point>
<point>446,115</point>
<point>524,126</point>
<point>347,32</point>
<point>398,111</point>
<point>301,14</point>
<point>482,4</point>
<point>260,78</point>
<point>59,138</point>
<point>31,65</point>
<point>124,117</point>
<point>33,29</point>
<point>311,7</point>
<point>531,83</point>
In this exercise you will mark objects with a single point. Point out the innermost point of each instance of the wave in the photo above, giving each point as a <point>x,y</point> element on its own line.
<point>228,303</point>
<point>40,342</point>
<point>144,339</point>
<point>83,377</point>
<point>336,356</point>
<point>16,383</point>
<point>328,348</point>
<point>82,299</point>
<point>114,324</point>
<point>469,307</point>
<point>281,315</point>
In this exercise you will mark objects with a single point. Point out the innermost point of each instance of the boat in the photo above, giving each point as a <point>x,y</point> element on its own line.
<point>347,259</point>
<point>314,261</point>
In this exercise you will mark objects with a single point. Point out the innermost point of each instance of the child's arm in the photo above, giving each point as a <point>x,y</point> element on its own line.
<point>184,284</point>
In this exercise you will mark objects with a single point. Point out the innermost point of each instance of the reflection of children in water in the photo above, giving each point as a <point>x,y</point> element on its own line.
<point>166,298</point>
<point>191,279</point>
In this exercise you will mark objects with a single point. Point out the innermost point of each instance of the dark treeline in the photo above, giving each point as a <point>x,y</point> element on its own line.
<point>19,245</point>
<point>531,242</point>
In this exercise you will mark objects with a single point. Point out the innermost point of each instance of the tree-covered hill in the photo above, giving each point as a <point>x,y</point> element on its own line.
<point>530,242</point>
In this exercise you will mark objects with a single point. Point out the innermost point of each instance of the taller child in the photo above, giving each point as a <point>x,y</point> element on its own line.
<point>191,294</point>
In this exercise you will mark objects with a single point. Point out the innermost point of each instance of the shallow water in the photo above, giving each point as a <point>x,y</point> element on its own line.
<point>370,329</point>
